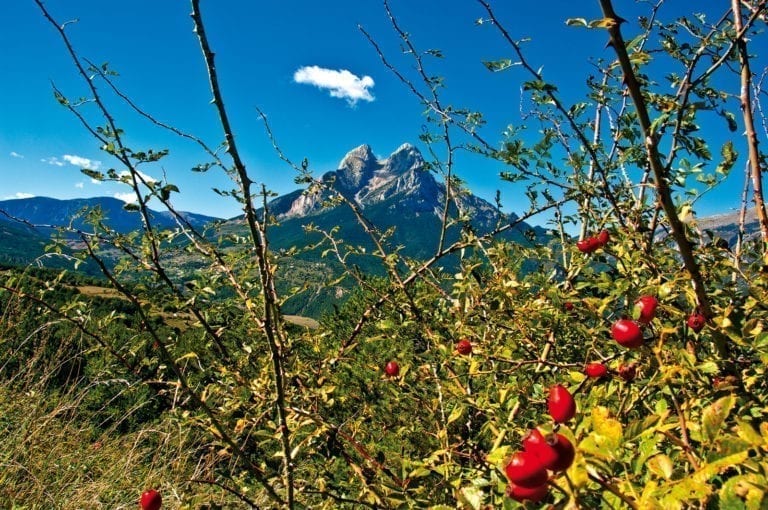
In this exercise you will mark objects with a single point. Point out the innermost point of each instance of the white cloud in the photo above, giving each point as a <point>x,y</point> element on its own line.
<point>126,197</point>
<point>96,182</point>
<point>81,161</point>
<point>341,83</point>
<point>19,195</point>
<point>53,160</point>
<point>17,155</point>
<point>79,185</point>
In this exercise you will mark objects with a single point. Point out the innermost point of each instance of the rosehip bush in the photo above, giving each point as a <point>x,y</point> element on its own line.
<point>296,417</point>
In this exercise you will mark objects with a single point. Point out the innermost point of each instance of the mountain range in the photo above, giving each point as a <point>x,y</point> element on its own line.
<point>398,194</point>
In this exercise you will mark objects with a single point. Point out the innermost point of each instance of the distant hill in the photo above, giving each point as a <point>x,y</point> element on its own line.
<point>52,211</point>
<point>23,242</point>
<point>726,226</point>
<point>20,244</point>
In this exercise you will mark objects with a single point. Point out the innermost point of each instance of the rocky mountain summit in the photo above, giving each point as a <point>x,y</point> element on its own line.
<point>397,186</point>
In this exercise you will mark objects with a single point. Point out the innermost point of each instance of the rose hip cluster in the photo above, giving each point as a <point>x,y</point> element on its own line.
<point>528,470</point>
<point>591,244</point>
<point>629,333</point>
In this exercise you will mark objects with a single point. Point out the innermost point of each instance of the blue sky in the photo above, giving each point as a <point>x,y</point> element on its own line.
<point>281,57</point>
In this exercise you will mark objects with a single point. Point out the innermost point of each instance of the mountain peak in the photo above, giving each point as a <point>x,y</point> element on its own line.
<point>361,152</point>
<point>356,167</point>
<point>405,158</point>
<point>366,180</point>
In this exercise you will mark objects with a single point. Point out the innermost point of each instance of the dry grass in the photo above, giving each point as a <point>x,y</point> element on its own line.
<point>53,456</point>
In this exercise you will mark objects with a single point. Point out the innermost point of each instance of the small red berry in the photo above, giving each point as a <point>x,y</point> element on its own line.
<point>151,500</point>
<point>568,306</point>
<point>561,405</point>
<point>464,347</point>
<point>595,370</point>
<point>535,442</point>
<point>603,237</point>
<point>696,321</point>
<point>392,369</point>
<point>564,450</point>
<point>534,494</point>
<point>645,308</point>
<point>525,469</point>
<point>627,333</point>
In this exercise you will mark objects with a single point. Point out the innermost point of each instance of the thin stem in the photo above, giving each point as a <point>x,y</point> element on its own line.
<point>745,99</point>
<point>271,324</point>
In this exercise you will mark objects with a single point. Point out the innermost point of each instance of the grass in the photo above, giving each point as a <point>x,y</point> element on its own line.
<point>48,459</point>
<point>57,452</point>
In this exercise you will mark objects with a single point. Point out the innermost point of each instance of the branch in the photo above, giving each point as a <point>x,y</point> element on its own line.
<point>745,98</point>
<point>271,324</point>
<point>663,191</point>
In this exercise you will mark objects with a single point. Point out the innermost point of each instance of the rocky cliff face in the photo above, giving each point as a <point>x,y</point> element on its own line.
<point>399,183</point>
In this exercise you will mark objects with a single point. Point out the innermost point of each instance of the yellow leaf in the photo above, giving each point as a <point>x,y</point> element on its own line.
<point>660,465</point>
<point>647,499</point>
<point>746,432</point>
<point>713,416</point>
<point>608,429</point>
<point>457,412</point>
<point>602,23</point>
<point>498,455</point>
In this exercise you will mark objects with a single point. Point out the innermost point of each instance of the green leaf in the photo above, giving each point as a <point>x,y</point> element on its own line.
<point>713,417</point>
<point>93,174</point>
<point>165,191</point>
<point>499,65</point>
<point>471,497</point>
<point>746,432</point>
<point>749,487</point>
<point>457,412</point>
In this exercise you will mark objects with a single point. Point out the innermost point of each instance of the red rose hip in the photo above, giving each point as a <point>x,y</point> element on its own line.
<point>645,308</point>
<point>535,443</point>
<point>464,347</point>
<point>627,333</point>
<point>565,452</point>
<point>526,470</point>
<point>560,403</point>
<point>521,494</point>
<point>627,371</point>
<point>150,500</point>
<point>696,321</point>
<point>595,370</point>
<point>588,245</point>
